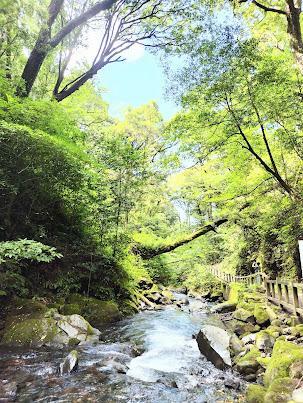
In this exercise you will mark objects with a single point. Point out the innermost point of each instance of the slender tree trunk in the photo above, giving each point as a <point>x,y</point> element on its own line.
<point>46,42</point>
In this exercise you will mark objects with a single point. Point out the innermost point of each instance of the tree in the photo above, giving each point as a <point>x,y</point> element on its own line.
<point>119,24</point>
<point>47,41</point>
<point>291,11</point>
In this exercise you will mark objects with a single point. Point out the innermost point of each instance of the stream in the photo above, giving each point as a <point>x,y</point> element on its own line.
<point>151,357</point>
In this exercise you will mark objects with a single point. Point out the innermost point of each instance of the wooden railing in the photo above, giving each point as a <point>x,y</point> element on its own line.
<point>287,294</point>
<point>251,279</point>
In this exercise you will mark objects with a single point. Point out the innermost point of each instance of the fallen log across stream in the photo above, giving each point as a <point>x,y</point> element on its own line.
<point>149,253</point>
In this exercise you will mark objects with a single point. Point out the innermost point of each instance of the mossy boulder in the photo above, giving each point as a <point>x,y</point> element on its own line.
<point>283,355</point>
<point>95,311</point>
<point>244,315</point>
<point>35,331</point>
<point>255,394</point>
<point>248,363</point>
<point>261,315</point>
<point>243,328</point>
<point>49,329</point>
<point>280,390</point>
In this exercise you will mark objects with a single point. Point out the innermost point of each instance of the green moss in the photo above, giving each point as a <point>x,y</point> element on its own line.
<point>235,290</point>
<point>274,331</point>
<point>248,306</point>
<point>30,332</point>
<point>280,390</point>
<point>248,363</point>
<point>70,309</point>
<point>128,307</point>
<point>263,361</point>
<point>261,314</point>
<point>255,394</point>
<point>283,355</point>
<point>73,342</point>
<point>297,330</point>
<point>95,311</point>
<point>167,294</point>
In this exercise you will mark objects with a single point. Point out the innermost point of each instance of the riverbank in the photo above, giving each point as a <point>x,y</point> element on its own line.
<point>266,345</point>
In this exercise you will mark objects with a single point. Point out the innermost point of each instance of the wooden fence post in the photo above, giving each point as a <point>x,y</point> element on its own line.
<point>295,298</point>
<point>279,289</point>
<point>286,293</point>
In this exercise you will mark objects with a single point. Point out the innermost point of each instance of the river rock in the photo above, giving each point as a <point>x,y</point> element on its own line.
<point>296,369</point>
<point>213,342</point>
<point>8,391</point>
<point>244,316</point>
<point>249,338</point>
<point>264,341</point>
<point>224,307</point>
<point>235,345</point>
<point>183,301</point>
<point>51,329</point>
<point>70,363</point>
<point>261,315</point>
<point>145,284</point>
<point>98,313</point>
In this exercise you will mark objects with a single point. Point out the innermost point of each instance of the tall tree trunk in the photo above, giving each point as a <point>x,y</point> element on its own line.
<point>46,42</point>
<point>293,13</point>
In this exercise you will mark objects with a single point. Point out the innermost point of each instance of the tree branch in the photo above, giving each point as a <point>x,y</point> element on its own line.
<point>146,253</point>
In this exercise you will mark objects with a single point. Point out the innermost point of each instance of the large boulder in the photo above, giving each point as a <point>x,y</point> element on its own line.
<point>97,312</point>
<point>283,356</point>
<point>49,329</point>
<point>213,342</point>
<point>224,307</point>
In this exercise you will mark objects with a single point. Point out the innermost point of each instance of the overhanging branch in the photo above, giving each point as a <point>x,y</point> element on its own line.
<point>146,253</point>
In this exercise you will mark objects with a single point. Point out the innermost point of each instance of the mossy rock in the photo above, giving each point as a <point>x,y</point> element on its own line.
<point>261,315</point>
<point>98,313</point>
<point>264,361</point>
<point>248,363</point>
<point>244,315</point>
<point>248,306</point>
<point>235,290</point>
<point>255,394</point>
<point>280,390</point>
<point>243,328</point>
<point>70,309</point>
<point>36,331</point>
<point>168,295</point>
<point>264,341</point>
<point>297,330</point>
<point>128,307</point>
<point>274,331</point>
<point>25,308</point>
<point>283,355</point>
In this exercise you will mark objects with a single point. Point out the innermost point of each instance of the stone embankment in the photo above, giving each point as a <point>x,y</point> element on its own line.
<point>265,345</point>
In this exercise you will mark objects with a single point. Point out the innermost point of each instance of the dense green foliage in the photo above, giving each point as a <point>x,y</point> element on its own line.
<point>83,186</point>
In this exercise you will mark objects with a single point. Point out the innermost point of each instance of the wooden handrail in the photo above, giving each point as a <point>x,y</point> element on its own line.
<point>287,294</point>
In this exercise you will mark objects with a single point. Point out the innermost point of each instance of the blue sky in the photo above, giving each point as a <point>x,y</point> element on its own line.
<point>135,82</point>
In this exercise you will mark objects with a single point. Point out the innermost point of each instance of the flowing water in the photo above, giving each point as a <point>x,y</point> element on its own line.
<point>151,357</point>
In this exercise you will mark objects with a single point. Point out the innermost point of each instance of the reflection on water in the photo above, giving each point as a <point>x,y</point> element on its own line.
<point>169,369</point>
